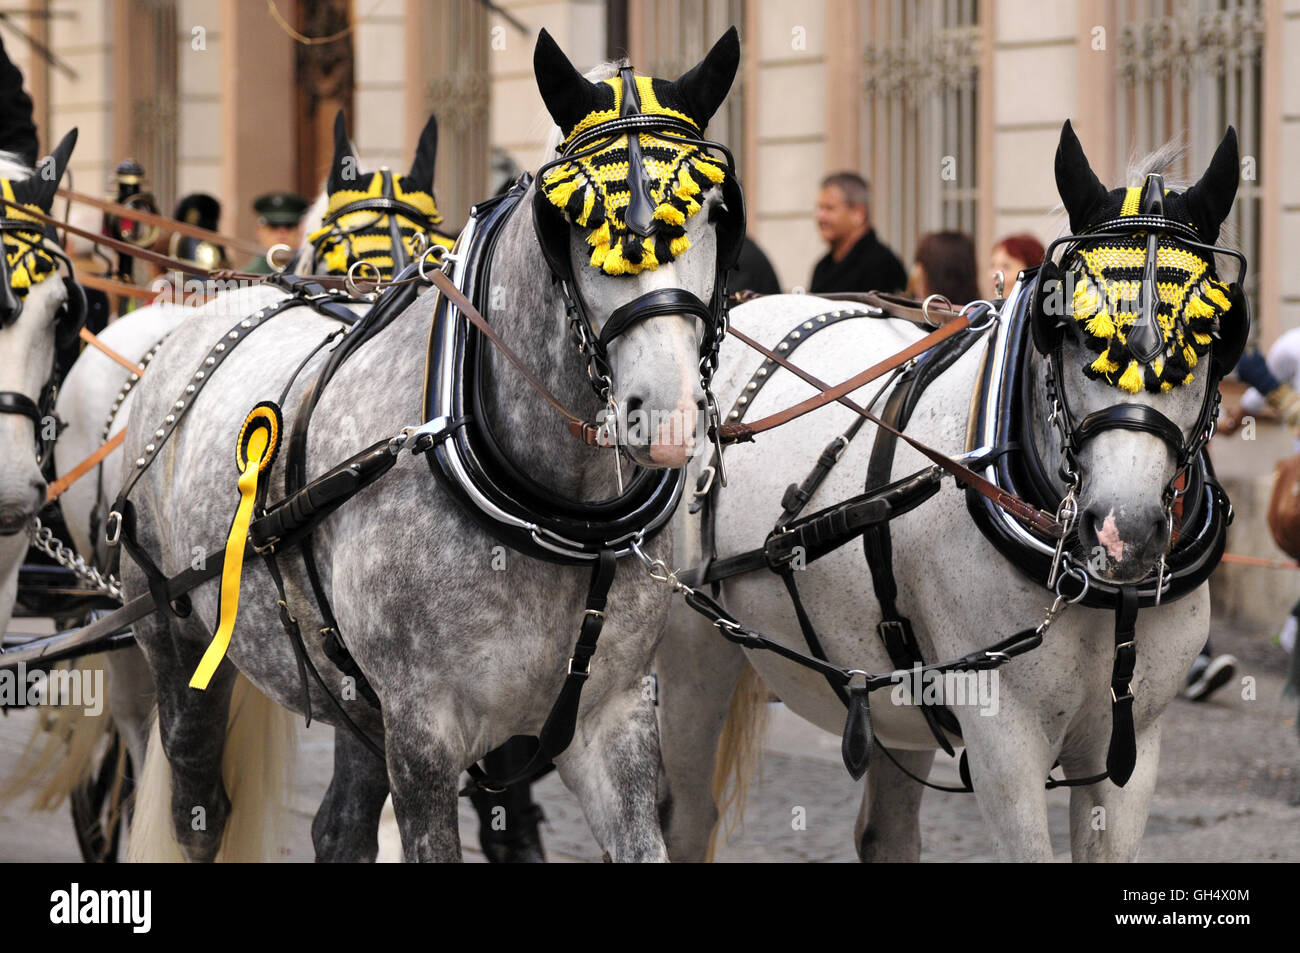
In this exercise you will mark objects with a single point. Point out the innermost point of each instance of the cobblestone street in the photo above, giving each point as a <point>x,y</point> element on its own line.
<point>1228,791</point>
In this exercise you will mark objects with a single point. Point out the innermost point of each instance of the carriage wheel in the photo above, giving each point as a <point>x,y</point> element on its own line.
<point>95,818</point>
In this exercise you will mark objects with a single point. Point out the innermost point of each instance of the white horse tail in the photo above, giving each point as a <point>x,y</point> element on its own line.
<point>256,769</point>
<point>62,750</point>
<point>740,747</point>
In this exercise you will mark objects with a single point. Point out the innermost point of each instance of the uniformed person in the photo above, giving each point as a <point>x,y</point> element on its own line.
<point>279,222</point>
<point>202,210</point>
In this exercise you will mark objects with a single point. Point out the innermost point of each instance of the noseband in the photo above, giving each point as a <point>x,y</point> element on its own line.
<point>593,340</point>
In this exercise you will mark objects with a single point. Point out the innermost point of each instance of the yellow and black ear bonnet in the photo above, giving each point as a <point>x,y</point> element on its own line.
<point>375,217</point>
<point>632,192</point>
<point>30,252</point>
<point>1149,304</point>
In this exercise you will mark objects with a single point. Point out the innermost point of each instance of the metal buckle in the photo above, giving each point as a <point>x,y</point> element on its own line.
<point>585,673</point>
<point>113,528</point>
<point>708,484</point>
<point>594,613</point>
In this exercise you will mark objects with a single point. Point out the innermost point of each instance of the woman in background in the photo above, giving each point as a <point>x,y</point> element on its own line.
<point>944,264</point>
<point>1011,256</point>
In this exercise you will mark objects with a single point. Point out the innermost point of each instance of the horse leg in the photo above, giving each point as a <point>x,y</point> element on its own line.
<point>346,826</point>
<point>1008,765</point>
<point>192,725</point>
<point>889,823</point>
<point>1106,821</point>
<point>612,767</point>
<point>422,774</point>
<point>697,673</point>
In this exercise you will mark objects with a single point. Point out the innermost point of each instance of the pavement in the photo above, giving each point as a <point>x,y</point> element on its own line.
<point>1228,790</point>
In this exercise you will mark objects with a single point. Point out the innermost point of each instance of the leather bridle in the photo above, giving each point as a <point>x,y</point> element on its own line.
<point>1146,342</point>
<point>593,339</point>
<point>385,205</point>
<point>71,316</point>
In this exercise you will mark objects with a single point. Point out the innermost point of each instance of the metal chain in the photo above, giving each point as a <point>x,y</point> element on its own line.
<point>43,538</point>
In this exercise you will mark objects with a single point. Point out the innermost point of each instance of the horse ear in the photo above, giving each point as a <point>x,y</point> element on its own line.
<point>705,85</point>
<point>566,92</point>
<point>1210,199</point>
<point>344,169</point>
<point>1079,186</point>
<point>426,153</point>
<point>40,188</point>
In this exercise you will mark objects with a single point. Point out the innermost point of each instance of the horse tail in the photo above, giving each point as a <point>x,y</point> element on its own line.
<point>256,770</point>
<point>740,746</point>
<point>62,749</point>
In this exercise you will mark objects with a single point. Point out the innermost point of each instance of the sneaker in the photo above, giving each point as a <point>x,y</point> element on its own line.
<point>1286,638</point>
<point>1208,676</point>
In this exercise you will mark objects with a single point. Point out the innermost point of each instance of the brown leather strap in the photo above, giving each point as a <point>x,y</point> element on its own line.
<point>121,288</point>
<point>90,338</point>
<point>1013,504</point>
<point>60,486</point>
<point>584,430</point>
<point>732,433</point>
<point>162,221</point>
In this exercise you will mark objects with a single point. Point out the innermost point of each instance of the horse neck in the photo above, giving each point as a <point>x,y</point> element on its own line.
<point>524,305</point>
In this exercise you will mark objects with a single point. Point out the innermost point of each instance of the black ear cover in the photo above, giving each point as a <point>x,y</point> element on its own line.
<point>1234,330</point>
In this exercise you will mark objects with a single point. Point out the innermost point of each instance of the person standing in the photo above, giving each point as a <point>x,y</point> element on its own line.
<point>944,264</point>
<point>279,222</point>
<point>856,260</point>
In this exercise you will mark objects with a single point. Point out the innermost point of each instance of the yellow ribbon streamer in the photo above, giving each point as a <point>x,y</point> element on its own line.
<point>259,441</point>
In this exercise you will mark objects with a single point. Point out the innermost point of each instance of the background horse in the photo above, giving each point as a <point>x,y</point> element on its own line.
<point>960,593</point>
<point>95,401</point>
<point>462,656</point>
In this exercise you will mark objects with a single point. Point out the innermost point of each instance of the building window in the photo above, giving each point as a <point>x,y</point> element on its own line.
<point>671,36</point>
<point>1187,76</point>
<point>920,80</point>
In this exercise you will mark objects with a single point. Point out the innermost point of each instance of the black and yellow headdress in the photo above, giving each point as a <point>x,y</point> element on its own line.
<point>1140,281</point>
<point>29,262</point>
<point>631,193</point>
<point>1107,290</point>
<point>376,217</point>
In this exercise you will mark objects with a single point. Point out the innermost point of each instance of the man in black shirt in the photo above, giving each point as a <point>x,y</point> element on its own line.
<point>857,261</point>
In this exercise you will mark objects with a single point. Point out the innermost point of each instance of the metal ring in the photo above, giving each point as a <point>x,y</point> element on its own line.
<point>1075,572</point>
<point>991,316</point>
<point>437,251</point>
<point>270,257</point>
<point>350,283</point>
<point>925,308</point>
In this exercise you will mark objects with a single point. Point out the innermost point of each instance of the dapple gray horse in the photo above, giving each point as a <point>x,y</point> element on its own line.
<point>960,593</point>
<point>95,402</point>
<point>462,656</point>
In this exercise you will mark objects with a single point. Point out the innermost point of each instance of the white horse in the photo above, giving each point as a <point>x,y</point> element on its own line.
<point>1053,703</point>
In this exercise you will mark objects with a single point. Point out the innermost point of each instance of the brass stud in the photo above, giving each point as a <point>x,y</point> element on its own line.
<point>209,361</point>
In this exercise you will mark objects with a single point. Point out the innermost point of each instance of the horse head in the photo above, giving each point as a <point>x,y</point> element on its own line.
<point>618,216</point>
<point>382,219</point>
<point>1135,310</point>
<point>36,314</point>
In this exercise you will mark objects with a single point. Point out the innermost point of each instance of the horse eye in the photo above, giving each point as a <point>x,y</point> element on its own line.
<point>716,211</point>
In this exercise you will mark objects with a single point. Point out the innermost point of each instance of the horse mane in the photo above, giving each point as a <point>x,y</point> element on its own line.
<point>13,166</point>
<point>311,220</point>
